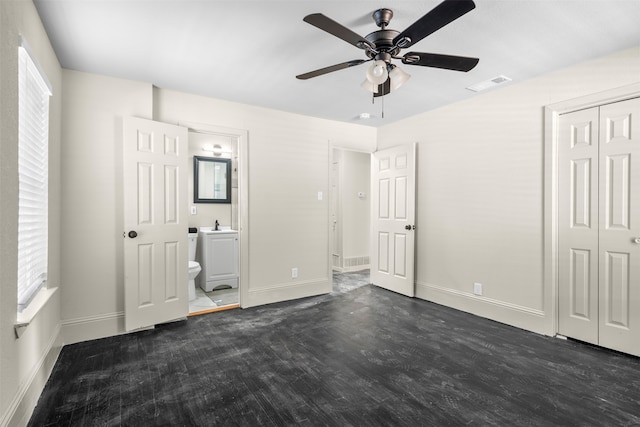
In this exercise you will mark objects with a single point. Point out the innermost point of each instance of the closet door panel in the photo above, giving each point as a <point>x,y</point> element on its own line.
<point>619,204</point>
<point>578,225</point>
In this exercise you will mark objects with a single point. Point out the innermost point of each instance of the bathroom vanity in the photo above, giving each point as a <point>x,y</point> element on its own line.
<point>218,257</point>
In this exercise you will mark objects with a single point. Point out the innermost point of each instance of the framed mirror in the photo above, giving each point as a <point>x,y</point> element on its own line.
<point>211,180</point>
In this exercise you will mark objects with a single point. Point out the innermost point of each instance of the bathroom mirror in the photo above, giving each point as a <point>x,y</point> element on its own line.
<point>211,180</point>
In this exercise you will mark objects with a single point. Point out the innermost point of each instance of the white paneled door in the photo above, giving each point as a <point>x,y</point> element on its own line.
<point>155,222</point>
<point>579,230</point>
<point>393,218</point>
<point>599,231</point>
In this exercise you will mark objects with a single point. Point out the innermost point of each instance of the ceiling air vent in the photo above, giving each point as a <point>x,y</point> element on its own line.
<point>489,83</point>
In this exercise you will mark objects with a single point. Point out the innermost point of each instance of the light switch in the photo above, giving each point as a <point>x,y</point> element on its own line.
<point>194,210</point>
<point>319,195</point>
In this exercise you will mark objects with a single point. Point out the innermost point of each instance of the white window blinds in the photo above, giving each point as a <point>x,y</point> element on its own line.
<point>33,177</point>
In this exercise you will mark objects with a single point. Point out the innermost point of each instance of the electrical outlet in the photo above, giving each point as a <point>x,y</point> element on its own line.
<point>294,272</point>
<point>477,288</point>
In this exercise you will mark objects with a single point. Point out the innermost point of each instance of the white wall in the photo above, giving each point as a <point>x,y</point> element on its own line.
<point>25,363</point>
<point>92,250</point>
<point>356,212</point>
<point>480,191</point>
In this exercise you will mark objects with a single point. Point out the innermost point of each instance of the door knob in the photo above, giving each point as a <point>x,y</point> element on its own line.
<point>636,240</point>
<point>133,234</point>
<point>409,227</point>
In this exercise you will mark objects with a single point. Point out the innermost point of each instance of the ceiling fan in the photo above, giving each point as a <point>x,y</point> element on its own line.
<point>383,45</point>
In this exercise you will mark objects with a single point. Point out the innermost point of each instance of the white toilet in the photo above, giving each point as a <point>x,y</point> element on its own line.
<point>194,267</point>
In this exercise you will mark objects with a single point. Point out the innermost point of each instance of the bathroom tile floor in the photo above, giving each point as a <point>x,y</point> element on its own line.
<point>201,302</point>
<point>222,297</point>
<point>209,300</point>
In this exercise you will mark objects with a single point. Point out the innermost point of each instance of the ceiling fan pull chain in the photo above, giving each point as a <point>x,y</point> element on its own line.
<point>382,106</point>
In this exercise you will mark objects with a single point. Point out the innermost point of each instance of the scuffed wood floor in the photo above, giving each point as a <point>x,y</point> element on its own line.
<point>360,357</point>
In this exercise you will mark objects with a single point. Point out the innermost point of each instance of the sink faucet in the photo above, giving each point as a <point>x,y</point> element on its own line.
<point>217,226</point>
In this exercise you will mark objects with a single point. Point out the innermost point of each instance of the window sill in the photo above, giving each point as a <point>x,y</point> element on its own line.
<point>28,314</point>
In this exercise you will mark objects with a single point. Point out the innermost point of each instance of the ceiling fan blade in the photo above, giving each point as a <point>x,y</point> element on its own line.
<point>441,15</point>
<point>330,69</point>
<point>436,60</point>
<point>332,27</point>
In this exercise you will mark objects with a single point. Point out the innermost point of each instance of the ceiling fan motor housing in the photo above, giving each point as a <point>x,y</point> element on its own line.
<point>383,42</point>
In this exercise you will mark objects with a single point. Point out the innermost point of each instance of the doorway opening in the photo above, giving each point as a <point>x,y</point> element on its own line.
<point>219,225</point>
<point>350,216</point>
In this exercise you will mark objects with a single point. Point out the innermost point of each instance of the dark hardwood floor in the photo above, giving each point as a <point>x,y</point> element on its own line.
<point>361,356</point>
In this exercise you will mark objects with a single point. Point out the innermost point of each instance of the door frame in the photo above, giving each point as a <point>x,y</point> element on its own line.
<point>552,114</point>
<point>242,136</point>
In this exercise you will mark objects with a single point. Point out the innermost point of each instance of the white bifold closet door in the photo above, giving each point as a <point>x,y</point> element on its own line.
<point>599,225</point>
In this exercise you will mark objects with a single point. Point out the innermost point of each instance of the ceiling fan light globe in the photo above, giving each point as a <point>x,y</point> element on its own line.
<point>398,77</point>
<point>369,87</point>
<point>377,73</point>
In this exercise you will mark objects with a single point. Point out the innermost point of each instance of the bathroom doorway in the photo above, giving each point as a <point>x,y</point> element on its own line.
<point>350,208</point>
<point>212,142</point>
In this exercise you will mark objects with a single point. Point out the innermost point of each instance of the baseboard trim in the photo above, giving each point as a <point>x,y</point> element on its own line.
<point>355,268</point>
<point>286,292</point>
<point>92,327</point>
<point>21,407</point>
<point>511,314</point>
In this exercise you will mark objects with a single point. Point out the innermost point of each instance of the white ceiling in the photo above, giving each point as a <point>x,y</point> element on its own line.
<point>251,51</point>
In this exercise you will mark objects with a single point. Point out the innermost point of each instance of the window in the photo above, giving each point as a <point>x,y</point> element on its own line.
<point>33,177</point>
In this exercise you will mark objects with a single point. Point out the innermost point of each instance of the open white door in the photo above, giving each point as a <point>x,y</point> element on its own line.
<point>393,185</point>
<point>155,165</point>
